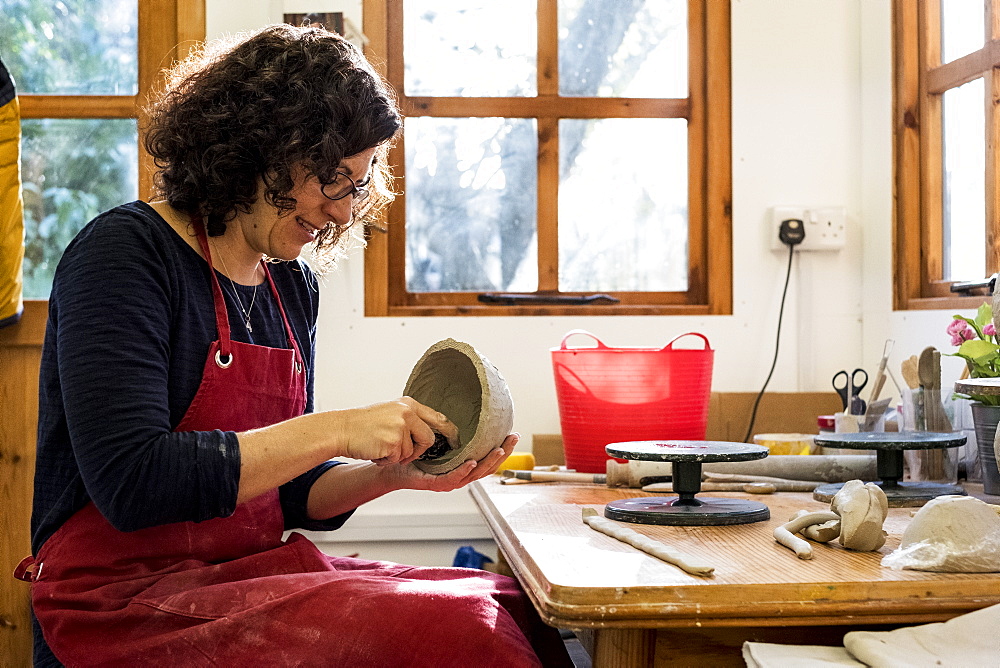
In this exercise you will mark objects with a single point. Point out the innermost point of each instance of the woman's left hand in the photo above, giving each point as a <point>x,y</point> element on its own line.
<point>410,477</point>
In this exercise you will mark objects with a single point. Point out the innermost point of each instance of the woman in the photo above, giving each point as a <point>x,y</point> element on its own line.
<point>176,435</point>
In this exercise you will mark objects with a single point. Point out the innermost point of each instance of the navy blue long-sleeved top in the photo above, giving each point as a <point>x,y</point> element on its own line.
<point>130,322</point>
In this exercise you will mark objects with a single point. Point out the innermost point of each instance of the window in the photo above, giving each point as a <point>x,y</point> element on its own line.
<point>83,70</point>
<point>555,151</point>
<point>947,149</point>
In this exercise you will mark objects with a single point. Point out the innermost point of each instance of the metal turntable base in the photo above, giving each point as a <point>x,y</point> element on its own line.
<point>686,458</point>
<point>889,447</point>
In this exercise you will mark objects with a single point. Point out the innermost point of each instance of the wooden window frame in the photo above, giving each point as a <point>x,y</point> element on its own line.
<point>707,110</point>
<point>920,80</point>
<point>166,31</point>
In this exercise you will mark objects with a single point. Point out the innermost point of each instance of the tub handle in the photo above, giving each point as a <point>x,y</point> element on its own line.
<point>572,332</point>
<point>704,338</point>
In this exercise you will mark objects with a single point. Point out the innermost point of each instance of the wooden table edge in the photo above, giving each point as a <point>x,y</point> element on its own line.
<point>915,609</point>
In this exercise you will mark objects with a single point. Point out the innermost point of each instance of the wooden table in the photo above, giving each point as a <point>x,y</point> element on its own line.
<point>631,609</point>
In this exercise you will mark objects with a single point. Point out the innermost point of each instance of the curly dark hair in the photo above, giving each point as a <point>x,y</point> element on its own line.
<point>282,97</point>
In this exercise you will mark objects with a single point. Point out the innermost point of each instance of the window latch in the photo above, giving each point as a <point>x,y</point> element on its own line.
<point>512,299</point>
<point>964,286</point>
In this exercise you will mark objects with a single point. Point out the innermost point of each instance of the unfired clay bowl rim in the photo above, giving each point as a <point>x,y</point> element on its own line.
<point>496,414</point>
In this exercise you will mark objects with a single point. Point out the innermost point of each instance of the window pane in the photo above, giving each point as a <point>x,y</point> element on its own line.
<point>962,28</point>
<point>470,48</point>
<point>71,170</point>
<point>964,214</point>
<point>623,48</point>
<point>623,205</point>
<point>71,47</point>
<point>471,204</point>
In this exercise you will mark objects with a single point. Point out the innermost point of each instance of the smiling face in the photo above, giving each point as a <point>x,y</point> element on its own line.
<point>282,235</point>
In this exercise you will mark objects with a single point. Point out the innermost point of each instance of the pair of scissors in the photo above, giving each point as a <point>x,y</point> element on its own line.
<point>849,388</point>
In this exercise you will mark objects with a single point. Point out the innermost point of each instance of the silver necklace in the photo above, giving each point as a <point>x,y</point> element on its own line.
<point>246,311</point>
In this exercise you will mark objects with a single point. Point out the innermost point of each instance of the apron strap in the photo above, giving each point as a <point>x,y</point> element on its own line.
<point>288,327</point>
<point>25,570</point>
<point>224,356</point>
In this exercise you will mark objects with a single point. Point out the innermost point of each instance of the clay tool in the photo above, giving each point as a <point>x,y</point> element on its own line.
<point>892,377</point>
<point>514,481</point>
<point>909,370</point>
<point>875,411</point>
<point>652,547</point>
<point>929,371</point>
<point>880,373</point>
<point>555,476</point>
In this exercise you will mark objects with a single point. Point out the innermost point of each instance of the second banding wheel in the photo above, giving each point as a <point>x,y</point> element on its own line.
<point>457,380</point>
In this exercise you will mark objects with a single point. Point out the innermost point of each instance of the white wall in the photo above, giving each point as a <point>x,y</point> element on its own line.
<point>797,138</point>
<point>811,126</point>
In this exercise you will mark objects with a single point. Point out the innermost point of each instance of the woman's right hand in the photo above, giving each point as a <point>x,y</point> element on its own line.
<point>392,432</point>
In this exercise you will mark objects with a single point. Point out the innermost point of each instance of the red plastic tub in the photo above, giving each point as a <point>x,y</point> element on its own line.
<point>610,395</point>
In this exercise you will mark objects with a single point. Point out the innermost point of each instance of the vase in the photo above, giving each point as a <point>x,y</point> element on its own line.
<point>985,419</point>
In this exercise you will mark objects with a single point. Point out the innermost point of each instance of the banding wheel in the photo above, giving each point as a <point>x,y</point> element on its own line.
<point>686,509</point>
<point>889,447</point>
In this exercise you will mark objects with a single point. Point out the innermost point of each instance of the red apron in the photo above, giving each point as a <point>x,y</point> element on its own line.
<point>229,591</point>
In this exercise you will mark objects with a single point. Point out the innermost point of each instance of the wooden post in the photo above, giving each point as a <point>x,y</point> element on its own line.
<point>20,354</point>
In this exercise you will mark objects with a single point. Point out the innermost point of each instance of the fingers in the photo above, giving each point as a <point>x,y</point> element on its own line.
<point>509,443</point>
<point>391,432</point>
<point>489,464</point>
<point>423,422</point>
<point>417,440</point>
<point>438,422</point>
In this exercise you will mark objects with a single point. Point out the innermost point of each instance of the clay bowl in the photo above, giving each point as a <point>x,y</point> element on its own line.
<point>453,378</point>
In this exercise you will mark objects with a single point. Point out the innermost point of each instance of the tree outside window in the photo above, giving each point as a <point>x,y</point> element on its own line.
<point>947,150</point>
<point>83,71</point>
<point>557,157</point>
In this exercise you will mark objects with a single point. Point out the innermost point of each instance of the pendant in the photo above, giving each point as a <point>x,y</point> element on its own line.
<point>249,328</point>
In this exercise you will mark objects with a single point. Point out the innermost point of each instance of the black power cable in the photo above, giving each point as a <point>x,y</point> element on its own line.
<point>792,233</point>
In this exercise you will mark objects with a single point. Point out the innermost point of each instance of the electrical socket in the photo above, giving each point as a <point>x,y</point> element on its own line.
<point>825,227</point>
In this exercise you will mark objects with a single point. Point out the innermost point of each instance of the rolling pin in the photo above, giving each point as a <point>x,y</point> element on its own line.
<point>816,468</point>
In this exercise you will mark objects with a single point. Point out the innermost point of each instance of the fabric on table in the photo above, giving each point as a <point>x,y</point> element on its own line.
<point>972,639</point>
<point>772,655</point>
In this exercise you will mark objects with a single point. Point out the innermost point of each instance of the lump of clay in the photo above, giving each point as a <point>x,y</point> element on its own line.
<point>862,509</point>
<point>455,379</point>
<point>952,534</point>
<point>823,533</point>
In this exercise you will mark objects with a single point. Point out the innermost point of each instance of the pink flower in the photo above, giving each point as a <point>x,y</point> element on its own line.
<point>957,326</point>
<point>989,330</point>
<point>960,332</point>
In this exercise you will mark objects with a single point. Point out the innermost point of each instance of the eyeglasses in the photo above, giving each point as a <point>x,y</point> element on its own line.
<point>342,186</point>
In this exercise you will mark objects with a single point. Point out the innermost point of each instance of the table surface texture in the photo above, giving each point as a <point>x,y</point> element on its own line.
<point>580,578</point>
